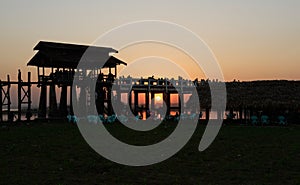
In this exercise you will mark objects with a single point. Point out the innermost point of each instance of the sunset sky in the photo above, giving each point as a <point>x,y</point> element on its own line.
<point>251,39</point>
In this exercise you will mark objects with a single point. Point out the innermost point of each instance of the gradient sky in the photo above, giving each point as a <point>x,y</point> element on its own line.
<point>251,39</point>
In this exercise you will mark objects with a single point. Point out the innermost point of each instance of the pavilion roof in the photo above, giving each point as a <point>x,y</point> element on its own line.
<point>65,55</point>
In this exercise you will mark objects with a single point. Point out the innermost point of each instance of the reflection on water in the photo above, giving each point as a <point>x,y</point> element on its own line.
<point>142,114</point>
<point>212,115</point>
<point>15,115</point>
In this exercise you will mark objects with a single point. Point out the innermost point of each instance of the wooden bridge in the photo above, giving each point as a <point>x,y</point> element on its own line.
<point>57,67</point>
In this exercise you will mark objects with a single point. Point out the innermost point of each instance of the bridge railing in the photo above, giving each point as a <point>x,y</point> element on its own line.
<point>151,82</point>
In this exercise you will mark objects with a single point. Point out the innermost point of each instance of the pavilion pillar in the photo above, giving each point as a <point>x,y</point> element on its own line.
<point>52,101</point>
<point>43,101</point>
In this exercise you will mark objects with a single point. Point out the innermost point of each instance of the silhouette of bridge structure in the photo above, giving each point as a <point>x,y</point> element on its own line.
<point>57,64</point>
<point>57,67</point>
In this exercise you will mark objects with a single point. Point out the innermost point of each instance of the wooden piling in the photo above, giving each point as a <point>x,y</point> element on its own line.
<point>7,94</point>
<point>147,99</point>
<point>207,112</point>
<point>19,95</point>
<point>152,100</point>
<point>136,102</point>
<point>63,101</point>
<point>72,93</point>
<point>109,105</point>
<point>52,101</point>
<point>1,103</point>
<point>29,113</point>
<point>43,102</point>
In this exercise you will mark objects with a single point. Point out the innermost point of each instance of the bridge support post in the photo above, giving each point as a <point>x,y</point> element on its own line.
<point>63,101</point>
<point>72,93</point>
<point>52,101</point>
<point>152,100</point>
<point>43,102</point>
<point>136,102</point>
<point>1,103</point>
<point>109,103</point>
<point>29,113</point>
<point>181,101</point>
<point>129,96</point>
<point>19,95</point>
<point>207,111</point>
<point>147,101</point>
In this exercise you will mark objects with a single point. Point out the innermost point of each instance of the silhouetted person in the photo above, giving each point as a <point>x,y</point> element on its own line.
<point>110,78</point>
<point>100,77</point>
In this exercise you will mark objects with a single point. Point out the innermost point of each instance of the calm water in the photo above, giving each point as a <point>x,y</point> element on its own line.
<point>213,114</point>
<point>23,116</point>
